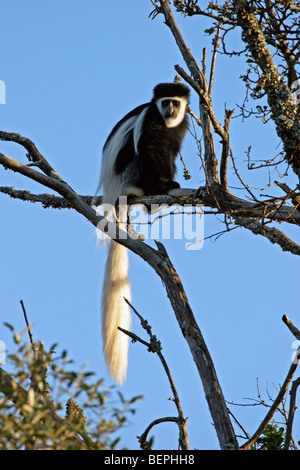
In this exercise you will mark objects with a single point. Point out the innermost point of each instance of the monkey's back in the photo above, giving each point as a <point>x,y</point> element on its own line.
<point>151,161</point>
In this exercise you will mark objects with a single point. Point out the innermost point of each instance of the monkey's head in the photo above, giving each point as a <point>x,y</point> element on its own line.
<point>171,100</point>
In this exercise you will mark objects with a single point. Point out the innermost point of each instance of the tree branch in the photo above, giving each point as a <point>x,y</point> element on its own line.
<point>292,409</point>
<point>143,437</point>
<point>200,353</point>
<point>234,205</point>
<point>246,214</point>
<point>185,51</point>
<point>273,408</point>
<point>225,150</point>
<point>293,329</point>
<point>213,61</point>
<point>155,347</point>
<point>33,155</point>
<point>278,399</point>
<point>284,110</point>
<point>200,85</point>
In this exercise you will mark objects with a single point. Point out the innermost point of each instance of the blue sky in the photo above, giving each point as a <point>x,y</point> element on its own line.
<point>72,69</point>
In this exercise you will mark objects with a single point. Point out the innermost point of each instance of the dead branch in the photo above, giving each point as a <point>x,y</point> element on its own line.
<point>293,329</point>
<point>143,437</point>
<point>201,355</point>
<point>234,205</point>
<point>199,83</point>
<point>155,347</point>
<point>278,400</point>
<point>273,408</point>
<point>292,409</point>
<point>273,234</point>
<point>47,200</point>
<point>213,61</point>
<point>225,150</point>
<point>246,213</point>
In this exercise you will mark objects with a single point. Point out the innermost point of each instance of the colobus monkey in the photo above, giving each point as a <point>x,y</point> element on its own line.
<point>138,159</point>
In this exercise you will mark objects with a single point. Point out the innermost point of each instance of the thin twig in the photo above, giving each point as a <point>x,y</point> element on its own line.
<point>213,62</point>
<point>34,155</point>
<point>276,402</point>
<point>155,346</point>
<point>27,323</point>
<point>272,409</point>
<point>143,437</point>
<point>193,115</point>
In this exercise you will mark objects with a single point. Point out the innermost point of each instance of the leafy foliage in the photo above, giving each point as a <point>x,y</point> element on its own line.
<point>271,439</point>
<point>45,404</point>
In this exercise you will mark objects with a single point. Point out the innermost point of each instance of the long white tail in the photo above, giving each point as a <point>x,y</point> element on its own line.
<point>115,311</point>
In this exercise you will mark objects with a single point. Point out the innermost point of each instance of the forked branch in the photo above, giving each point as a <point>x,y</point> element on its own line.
<point>155,347</point>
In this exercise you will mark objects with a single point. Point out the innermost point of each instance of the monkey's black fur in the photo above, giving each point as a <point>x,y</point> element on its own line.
<point>158,145</point>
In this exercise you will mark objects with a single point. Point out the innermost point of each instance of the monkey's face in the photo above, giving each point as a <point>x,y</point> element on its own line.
<point>172,110</point>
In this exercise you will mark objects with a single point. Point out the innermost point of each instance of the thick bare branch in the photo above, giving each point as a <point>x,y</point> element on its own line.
<point>292,409</point>
<point>293,329</point>
<point>274,235</point>
<point>245,213</point>
<point>200,353</point>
